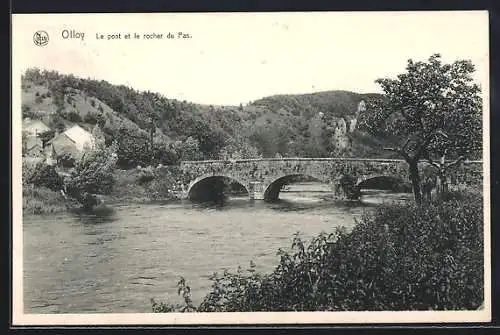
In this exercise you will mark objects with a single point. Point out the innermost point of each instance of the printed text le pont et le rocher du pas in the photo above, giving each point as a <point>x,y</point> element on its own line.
<point>74,34</point>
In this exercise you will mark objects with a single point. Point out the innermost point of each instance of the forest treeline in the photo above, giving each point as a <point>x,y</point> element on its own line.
<point>151,128</point>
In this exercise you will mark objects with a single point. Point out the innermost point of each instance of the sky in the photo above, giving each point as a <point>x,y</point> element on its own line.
<point>233,58</point>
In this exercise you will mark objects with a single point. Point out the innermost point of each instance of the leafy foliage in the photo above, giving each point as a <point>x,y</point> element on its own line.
<point>46,136</point>
<point>184,290</point>
<point>66,160</point>
<point>41,174</point>
<point>56,122</point>
<point>189,149</point>
<point>92,174</point>
<point>432,109</point>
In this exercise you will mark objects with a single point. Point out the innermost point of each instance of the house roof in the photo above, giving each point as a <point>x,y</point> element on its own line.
<point>62,143</point>
<point>29,124</point>
<point>78,135</point>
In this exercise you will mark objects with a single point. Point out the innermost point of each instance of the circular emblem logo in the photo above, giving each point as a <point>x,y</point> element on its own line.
<point>41,38</point>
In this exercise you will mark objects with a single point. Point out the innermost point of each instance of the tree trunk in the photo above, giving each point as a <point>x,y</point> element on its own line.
<point>415,181</point>
<point>443,183</point>
<point>442,175</point>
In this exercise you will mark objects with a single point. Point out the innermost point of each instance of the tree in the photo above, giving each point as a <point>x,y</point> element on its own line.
<point>90,117</point>
<point>190,149</point>
<point>431,110</point>
<point>457,114</point>
<point>164,151</point>
<point>56,122</point>
<point>46,136</point>
<point>93,174</point>
<point>239,147</point>
<point>132,147</point>
<point>210,140</point>
<point>152,124</point>
<point>73,116</point>
<point>41,174</point>
<point>98,136</point>
<point>270,139</point>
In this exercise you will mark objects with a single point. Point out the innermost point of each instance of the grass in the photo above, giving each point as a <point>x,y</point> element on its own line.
<point>41,200</point>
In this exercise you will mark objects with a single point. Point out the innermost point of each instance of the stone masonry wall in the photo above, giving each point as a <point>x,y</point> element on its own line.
<point>259,175</point>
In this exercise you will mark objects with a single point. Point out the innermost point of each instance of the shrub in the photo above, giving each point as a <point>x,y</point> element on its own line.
<point>185,291</point>
<point>145,176</point>
<point>66,160</point>
<point>464,195</point>
<point>56,122</point>
<point>41,174</point>
<point>93,174</point>
<point>163,184</point>
<point>73,116</point>
<point>401,257</point>
<point>90,118</point>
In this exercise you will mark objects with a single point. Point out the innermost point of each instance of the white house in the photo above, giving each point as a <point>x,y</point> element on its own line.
<point>82,139</point>
<point>34,127</point>
<point>74,141</point>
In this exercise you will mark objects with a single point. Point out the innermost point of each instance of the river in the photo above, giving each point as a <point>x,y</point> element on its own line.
<point>117,262</point>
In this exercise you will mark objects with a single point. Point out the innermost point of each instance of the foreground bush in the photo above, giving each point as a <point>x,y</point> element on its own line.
<point>92,174</point>
<point>42,175</point>
<point>399,258</point>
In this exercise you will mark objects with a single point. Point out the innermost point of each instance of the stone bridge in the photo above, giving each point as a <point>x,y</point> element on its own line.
<point>264,178</point>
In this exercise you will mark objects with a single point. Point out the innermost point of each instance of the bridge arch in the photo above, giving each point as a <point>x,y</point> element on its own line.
<point>211,186</point>
<point>383,182</point>
<point>273,188</point>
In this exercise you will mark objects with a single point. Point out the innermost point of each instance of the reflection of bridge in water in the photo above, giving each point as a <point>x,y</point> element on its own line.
<point>264,178</point>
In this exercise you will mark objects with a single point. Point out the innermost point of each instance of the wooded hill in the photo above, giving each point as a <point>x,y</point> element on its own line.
<point>152,128</point>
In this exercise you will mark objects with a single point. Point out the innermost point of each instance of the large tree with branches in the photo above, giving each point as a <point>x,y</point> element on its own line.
<point>431,112</point>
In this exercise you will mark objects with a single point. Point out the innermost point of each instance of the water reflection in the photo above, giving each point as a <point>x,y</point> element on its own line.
<point>95,216</point>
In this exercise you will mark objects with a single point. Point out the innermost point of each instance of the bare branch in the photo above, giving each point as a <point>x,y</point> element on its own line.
<point>456,162</point>
<point>436,165</point>
<point>406,143</point>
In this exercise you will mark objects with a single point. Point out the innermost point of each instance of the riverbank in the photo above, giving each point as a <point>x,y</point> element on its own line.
<point>135,186</point>
<point>42,200</point>
<point>144,185</point>
<point>139,186</point>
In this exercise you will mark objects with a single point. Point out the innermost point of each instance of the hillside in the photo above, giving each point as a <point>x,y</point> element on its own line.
<point>170,130</point>
<point>335,103</point>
